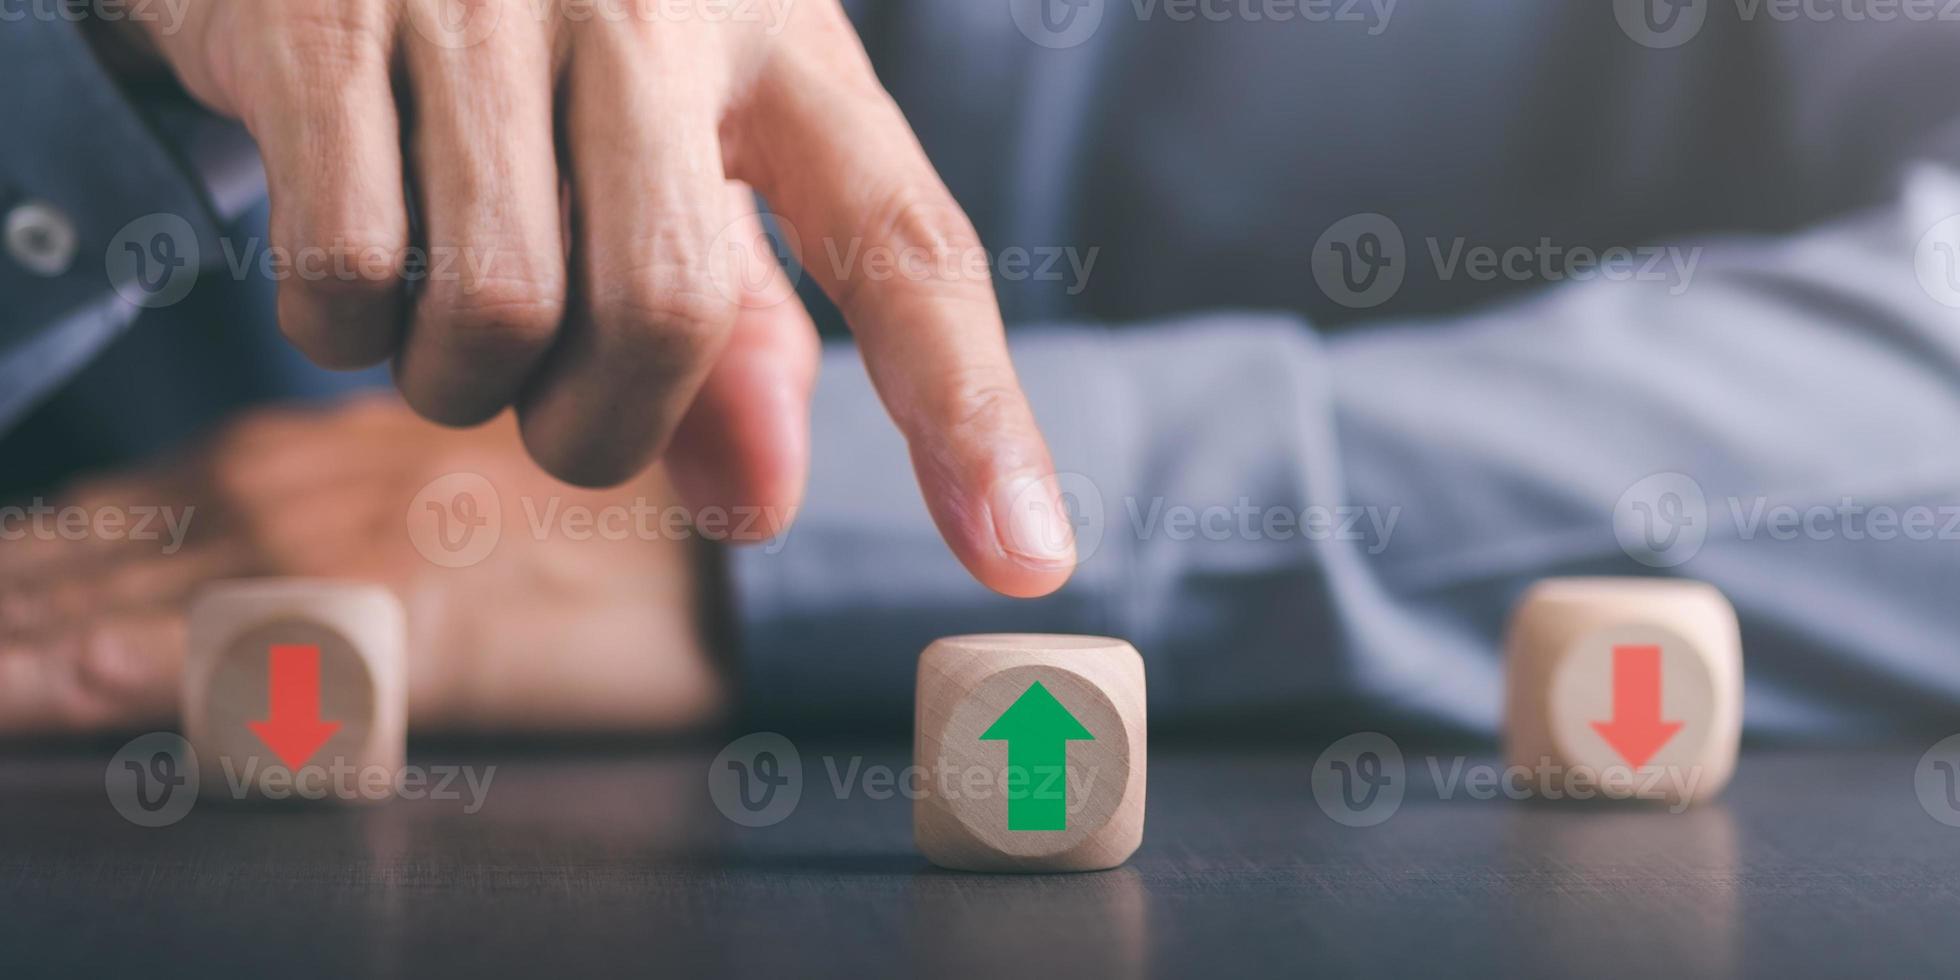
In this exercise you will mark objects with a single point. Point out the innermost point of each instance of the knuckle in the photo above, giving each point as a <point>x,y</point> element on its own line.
<point>674,328</point>
<point>287,50</point>
<point>580,462</point>
<point>373,279</point>
<point>331,260</point>
<point>341,304</point>
<point>980,404</point>
<point>499,320</point>
<point>917,213</point>
<point>928,240</point>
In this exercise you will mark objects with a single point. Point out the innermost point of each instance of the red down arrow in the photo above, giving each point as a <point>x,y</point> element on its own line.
<point>1636,731</point>
<point>293,729</point>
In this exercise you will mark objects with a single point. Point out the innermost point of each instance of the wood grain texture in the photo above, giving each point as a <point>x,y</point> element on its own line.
<point>1559,682</point>
<point>614,862</point>
<point>363,682</point>
<point>965,685</point>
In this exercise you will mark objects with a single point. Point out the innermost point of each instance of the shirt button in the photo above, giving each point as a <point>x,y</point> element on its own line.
<point>40,238</point>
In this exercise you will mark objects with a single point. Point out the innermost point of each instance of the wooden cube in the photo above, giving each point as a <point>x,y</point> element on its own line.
<point>1624,688</point>
<point>1031,752</point>
<point>297,689</point>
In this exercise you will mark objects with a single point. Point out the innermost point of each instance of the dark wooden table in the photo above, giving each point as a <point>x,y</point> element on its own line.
<point>614,861</point>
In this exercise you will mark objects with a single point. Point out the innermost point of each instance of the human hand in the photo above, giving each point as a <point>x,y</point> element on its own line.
<point>588,166</point>
<point>549,631</point>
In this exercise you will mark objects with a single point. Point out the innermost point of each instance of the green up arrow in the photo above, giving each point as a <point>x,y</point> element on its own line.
<point>1037,730</point>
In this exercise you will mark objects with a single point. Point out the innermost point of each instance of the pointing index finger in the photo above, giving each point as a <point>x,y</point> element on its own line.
<point>881,234</point>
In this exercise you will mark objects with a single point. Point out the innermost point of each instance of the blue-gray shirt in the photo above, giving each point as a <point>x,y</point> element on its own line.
<point>1345,322</point>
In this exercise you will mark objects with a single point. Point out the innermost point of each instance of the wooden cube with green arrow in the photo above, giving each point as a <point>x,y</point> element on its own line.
<point>1624,688</point>
<point>1032,749</point>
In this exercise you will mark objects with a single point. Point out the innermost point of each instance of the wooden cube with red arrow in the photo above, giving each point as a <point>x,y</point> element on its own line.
<point>297,689</point>
<point>1624,688</point>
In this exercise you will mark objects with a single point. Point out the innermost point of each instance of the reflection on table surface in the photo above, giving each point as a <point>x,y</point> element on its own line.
<point>587,861</point>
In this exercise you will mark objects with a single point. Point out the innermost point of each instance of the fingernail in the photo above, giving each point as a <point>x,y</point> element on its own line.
<point>1031,524</point>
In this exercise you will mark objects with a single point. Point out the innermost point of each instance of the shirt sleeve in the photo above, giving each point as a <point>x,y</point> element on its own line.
<point>1300,526</point>
<point>86,172</point>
